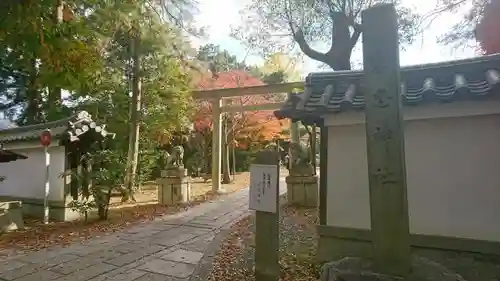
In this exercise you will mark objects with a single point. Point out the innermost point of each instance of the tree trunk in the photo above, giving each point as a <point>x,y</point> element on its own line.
<point>207,154</point>
<point>340,62</point>
<point>226,177</point>
<point>232,146</point>
<point>313,148</point>
<point>133,143</point>
<point>233,154</point>
<point>54,95</point>
<point>33,96</point>
<point>86,179</point>
<point>338,56</point>
<point>207,141</point>
<point>103,205</point>
<point>54,104</point>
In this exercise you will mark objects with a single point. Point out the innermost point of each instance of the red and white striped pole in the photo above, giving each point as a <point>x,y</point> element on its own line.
<point>45,140</point>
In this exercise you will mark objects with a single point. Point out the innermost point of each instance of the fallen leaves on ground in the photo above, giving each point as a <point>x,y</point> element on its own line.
<point>231,255</point>
<point>235,261</point>
<point>240,181</point>
<point>37,235</point>
<point>199,189</point>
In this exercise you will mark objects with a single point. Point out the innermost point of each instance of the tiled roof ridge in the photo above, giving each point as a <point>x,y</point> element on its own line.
<point>80,116</point>
<point>332,92</point>
<point>404,69</point>
<point>69,129</point>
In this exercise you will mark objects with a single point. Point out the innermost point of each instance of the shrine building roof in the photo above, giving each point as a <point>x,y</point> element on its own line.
<point>69,129</point>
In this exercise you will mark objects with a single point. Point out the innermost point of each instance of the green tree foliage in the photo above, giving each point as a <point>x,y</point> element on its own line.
<point>164,78</point>
<point>277,68</point>
<point>88,55</point>
<point>463,32</point>
<point>280,67</point>
<point>219,60</point>
<point>277,25</point>
<point>235,73</point>
<point>39,55</point>
<point>487,29</point>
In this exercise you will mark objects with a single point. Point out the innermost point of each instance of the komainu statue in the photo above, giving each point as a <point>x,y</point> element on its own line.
<point>175,160</point>
<point>301,160</point>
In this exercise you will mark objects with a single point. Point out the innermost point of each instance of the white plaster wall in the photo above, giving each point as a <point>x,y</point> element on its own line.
<point>26,178</point>
<point>453,176</point>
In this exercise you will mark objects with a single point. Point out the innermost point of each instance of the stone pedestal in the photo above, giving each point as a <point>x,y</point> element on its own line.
<point>11,216</point>
<point>173,187</point>
<point>174,172</point>
<point>302,190</point>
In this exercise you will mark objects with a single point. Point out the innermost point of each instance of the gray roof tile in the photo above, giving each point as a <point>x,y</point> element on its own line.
<point>67,129</point>
<point>333,92</point>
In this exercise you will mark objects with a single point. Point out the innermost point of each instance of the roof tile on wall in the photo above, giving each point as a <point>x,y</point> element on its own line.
<point>334,92</point>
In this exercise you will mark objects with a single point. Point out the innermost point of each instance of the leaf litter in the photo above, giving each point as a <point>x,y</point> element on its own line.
<point>36,235</point>
<point>235,260</point>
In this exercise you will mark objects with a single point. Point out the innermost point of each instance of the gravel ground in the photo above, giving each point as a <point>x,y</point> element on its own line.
<point>297,247</point>
<point>471,266</point>
<point>234,262</point>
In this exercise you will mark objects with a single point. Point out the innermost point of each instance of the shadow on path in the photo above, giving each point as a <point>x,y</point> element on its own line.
<point>177,247</point>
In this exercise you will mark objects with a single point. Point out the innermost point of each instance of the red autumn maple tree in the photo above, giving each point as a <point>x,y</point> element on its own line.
<point>487,29</point>
<point>249,126</point>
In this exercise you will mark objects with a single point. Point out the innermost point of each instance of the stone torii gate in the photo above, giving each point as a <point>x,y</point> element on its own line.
<point>216,96</point>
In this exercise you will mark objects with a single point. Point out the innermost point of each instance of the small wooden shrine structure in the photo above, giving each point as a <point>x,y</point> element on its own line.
<point>69,171</point>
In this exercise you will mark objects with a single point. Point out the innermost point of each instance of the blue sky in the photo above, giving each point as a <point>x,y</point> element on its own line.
<point>219,15</point>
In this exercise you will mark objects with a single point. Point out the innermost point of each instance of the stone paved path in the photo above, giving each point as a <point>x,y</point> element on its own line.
<point>173,248</point>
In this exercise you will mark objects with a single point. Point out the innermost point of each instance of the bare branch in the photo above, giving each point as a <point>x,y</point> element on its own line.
<point>304,46</point>
<point>355,37</point>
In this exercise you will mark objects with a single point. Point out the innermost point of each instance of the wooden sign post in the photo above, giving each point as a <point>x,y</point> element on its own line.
<point>385,141</point>
<point>264,199</point>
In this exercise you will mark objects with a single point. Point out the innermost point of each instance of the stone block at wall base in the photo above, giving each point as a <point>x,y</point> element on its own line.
<point>335,243</point>
<point>331,248</point>
<point>11,216</point>
<point>302,190</point>
<point>173,190</point>
<point>33,207</point>
<point>355,269</point>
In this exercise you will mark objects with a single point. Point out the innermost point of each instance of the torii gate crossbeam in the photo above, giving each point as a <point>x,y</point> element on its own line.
<point>215,96</point>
